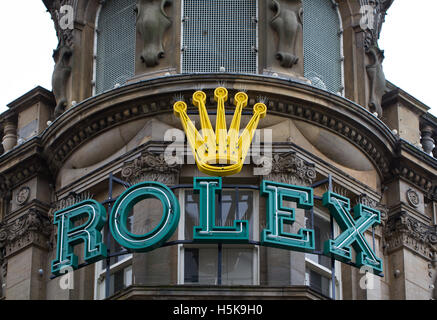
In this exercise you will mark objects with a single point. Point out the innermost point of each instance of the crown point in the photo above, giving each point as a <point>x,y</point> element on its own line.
<point>241,98</point>
<point>179,108</point>
<point>199,97</point>
<point>261,109</point>
<point>221,93</point>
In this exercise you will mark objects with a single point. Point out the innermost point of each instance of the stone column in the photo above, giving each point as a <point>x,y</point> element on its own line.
<point>23,249</point>
<point>411,246</point>
<point>427,141</point>
<point>158,267</point>
<point>10,135</point>
<point>288,267</point>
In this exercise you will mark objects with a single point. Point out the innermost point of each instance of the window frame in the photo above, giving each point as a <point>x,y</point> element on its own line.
<point>181,56</point>
<point>321,269</point>
<point>181,236</point>
<point>100,273</point>
<point>95,49</point>
<point>342,93</point>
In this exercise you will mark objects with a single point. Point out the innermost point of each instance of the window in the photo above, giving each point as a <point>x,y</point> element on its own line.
<point>219,35</point>
<point>115,44</point>
<point>199,263</point>
<point>318,271</point>
<point>322,40</point>
<point>120,269</point>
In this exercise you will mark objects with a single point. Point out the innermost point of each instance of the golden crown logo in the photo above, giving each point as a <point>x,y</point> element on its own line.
<point>219,153</point>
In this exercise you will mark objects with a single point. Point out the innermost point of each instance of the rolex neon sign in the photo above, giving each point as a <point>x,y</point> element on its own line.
<point>230,150</point>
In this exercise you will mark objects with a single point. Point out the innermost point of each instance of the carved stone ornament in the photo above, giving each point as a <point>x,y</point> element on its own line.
<point>377,81</point>
<point>382,208</point>
<point>31,228</point>
<point>375,12</point>
<point>22,196</point>
<point>413,198</point>
<point>151,167</point>
<point>71,200</point>
<point>374,15</point>
<point>287,23</point>
<point>402,230</point>
<point>60,77</point>
<point>290,168</point>
<point>62,54</point>
<point>152,22</point>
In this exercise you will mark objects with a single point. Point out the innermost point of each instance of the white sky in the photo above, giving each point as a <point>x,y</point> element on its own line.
<point>27,39</point>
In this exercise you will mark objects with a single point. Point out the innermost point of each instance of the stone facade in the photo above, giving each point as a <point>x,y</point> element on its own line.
<point>375,142</point>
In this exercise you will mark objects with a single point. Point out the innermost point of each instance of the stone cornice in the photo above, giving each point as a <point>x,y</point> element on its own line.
<point>286,98</point>
<point>33,96</point>
<point>422,181</point>
<point>22,171</point>
<point>418,154</point>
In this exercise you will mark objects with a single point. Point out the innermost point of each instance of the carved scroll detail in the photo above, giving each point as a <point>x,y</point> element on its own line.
<point>152,22</point>
<point>287,24</point>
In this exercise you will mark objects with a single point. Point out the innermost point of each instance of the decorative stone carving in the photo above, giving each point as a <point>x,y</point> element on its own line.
<point>71,200</point>
<point>382,208</point>
<point>373,30</point>
<point>23,171</point>
<point>152,22</point>
<point>60,77</point>
<point>22,196</point>
<point>413,198</point>
<point>62,56</point>
<point>150,167</point>
<point>287,23</point>
<point>291,169</point>
<point>402,230</point>
<point>415,178</point>
<point>377,81</point>
<point>31,228</point>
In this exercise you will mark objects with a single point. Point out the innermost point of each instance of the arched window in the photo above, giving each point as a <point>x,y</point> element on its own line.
<point>322,39</point>
<point>115,44</point>
<point>219,35</point>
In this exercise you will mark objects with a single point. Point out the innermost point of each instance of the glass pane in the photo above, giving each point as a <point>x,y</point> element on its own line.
<point>191,213</point>
<point>237,266</point>
<point>319,283</point>
<point>115,247</point>
<point>322,233</point>
<point>128,276</point>
<point>226,210</point>
<point>200,266</point>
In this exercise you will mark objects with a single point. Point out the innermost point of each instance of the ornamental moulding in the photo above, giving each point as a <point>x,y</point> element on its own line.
<point>150,167</point>
<point>73,131</point>
<point>32,228</point>
<point>416,179</point>
<point>289,168</point>
<point>402,230</point>
<point>382,208</point>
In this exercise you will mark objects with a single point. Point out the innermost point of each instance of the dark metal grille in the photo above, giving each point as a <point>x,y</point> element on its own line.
<point>116,36</point>
<point>322,45</point>
<point>219,35</point>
